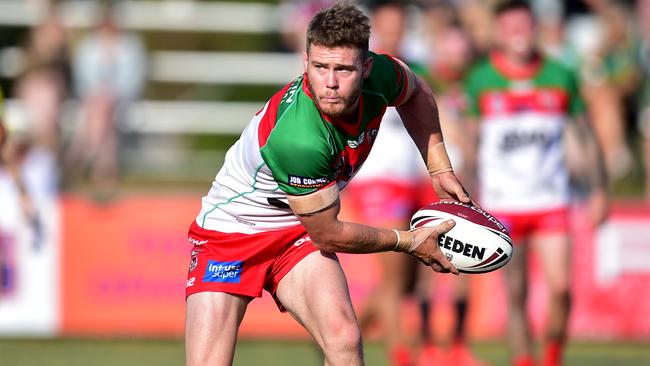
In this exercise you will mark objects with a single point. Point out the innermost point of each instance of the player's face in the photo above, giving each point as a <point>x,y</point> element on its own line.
<point>335,78</point>
<point>515,32</point>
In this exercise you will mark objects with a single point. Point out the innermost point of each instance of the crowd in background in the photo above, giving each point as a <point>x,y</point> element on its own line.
<point>103,72</point>
<point>605,41</point>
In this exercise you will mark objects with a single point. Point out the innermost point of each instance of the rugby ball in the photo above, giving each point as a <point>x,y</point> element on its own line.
<point>478,243</point>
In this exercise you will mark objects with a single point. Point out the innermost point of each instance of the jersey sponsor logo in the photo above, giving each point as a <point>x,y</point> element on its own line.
<point>190,282</point>
<point>516,140</point>
<point>354,144</point>
<point>303,182</point>
<point>541,100</point>
<point>291,92</point>
<point>522,85</point>
<point>194,259</point>
<point>301,241</point>
<point>228,272</point>
<point>196,241</point>
<point>457,246</point>
<point>244,221</point>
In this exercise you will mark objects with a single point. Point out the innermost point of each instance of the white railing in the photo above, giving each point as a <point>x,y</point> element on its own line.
<point>158,117</point>
<point>175,15</point>
<point>224,67</point>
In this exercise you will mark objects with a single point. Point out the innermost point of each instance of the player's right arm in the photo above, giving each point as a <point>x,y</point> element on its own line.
<point>318,212</point>
<point>302,166</point>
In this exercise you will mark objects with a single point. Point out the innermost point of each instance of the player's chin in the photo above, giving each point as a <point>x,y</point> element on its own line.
<point>332,109</point>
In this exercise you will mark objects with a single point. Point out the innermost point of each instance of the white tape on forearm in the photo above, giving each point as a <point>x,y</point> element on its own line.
<point>314,202</point>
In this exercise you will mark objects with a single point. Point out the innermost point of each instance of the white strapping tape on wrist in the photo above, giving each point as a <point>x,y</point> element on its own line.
<point>438,160</point>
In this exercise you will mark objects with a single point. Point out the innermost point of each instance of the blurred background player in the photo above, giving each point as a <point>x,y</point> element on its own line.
<point>386,192</point>
<point>393,184</point>
<point>523,103</point>
<point>451,54</point>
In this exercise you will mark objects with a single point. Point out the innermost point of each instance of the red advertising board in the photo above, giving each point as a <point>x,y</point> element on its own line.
<point>124,267</point>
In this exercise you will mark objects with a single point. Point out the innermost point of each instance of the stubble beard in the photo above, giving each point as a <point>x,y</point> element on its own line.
<point>338,110</point>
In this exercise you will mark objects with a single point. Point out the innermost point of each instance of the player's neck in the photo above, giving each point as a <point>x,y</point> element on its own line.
<point>516,65</point>
<point>518,60</point>
<point>351,115</point>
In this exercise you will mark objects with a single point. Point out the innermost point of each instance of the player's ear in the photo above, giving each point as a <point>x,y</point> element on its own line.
<point>367,66</point>
<point>305,59</point>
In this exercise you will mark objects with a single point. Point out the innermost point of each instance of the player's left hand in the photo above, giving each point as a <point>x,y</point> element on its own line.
<point>598,207</point>
<point>447,186</point>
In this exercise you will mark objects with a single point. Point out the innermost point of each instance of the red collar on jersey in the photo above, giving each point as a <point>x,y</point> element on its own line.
<point>351,129</point>
<point>514,72</point>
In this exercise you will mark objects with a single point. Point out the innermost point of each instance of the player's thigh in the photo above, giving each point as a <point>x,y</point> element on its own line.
<point>212,318</point>
<point>316,293</point>
<point>554,253</point>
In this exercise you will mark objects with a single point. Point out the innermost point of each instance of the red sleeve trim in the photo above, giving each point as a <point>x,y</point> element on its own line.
<point>403,80</point>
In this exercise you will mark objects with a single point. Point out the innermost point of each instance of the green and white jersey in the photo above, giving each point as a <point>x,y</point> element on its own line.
<point>290,147</point>
<point>522,118</point>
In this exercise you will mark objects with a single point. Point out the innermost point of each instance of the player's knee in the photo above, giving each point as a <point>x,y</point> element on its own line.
<point>517,292</point>
<point>342,335</point>
<point>561,294</point>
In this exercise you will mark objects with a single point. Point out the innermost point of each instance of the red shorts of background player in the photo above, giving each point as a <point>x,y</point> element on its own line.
<point>523,225</point>
<point>381,200</point>
<point>244,264</point>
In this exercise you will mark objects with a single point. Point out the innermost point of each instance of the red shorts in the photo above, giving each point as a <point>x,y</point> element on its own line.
<point>386,200</point>
<point>243,264</point>
<point>522,225</point>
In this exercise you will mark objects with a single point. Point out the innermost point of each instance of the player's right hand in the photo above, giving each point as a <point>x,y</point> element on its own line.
<point>447,186</point>
<point>427,249</point>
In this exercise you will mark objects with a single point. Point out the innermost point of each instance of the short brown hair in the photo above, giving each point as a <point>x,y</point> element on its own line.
<point>342,25</point>
<point>509,5</point>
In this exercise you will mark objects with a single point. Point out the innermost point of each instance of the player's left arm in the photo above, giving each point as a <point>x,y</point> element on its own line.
<point>419,113</point>
<point>595,173</point>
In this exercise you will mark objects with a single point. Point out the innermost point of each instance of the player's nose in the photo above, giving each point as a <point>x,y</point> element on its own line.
<point>332,82</point>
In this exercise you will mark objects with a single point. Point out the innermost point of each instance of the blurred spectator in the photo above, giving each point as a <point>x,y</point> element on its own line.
<point>436,17</point>
<point>601,31</point>
<point>109,70</point>
<point>12,154</point>
<point>476,19</point>
<point>10,176</point>
<point>45,80</point>
<point>294,25</point>
<point>643,98</point>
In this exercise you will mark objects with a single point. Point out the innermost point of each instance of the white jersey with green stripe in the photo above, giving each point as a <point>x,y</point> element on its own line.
<point>522,117</point>
<point>290,147</point>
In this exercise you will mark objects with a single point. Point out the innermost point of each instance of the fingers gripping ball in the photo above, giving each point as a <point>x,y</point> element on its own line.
<point>478,243</point>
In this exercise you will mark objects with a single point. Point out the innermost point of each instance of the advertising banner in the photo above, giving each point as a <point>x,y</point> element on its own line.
<point>124,267</point>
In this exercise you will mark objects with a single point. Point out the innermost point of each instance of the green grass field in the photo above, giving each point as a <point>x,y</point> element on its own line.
<point>84,352</point>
